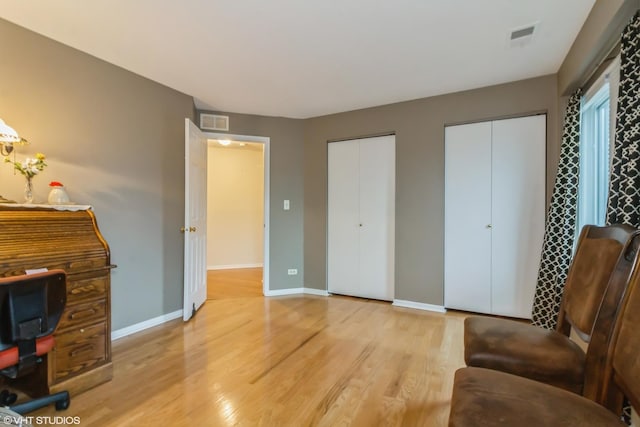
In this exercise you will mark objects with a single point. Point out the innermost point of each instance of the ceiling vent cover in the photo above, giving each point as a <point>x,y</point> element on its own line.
<point>523,35</point>
<point>214,122</point>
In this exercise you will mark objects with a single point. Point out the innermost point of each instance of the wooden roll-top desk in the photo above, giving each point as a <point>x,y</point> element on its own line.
<point>41,237</point>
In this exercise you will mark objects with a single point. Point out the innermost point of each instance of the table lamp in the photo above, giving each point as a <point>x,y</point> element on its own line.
<point>8,137</point>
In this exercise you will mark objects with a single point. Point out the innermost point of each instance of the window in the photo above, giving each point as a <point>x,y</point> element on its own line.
<point>597,124</point>
<point>594,158</point>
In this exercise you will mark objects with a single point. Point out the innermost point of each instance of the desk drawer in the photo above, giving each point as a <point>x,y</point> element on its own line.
<point>89,312</point>
<point>86,262</point>
<point>79,350</point>
<point>86,288</point>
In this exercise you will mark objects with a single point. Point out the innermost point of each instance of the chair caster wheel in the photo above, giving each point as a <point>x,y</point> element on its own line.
<point>62,404</point>
<point>7,398</point>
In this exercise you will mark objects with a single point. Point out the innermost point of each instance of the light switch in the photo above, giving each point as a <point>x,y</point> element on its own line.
<point>286,205</point>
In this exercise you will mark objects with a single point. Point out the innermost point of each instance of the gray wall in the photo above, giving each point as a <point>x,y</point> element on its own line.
<point>116,140</point>
<point>586,58</point>
<point>419,128</point>
<point>286,176</point>
<point>600,32</point>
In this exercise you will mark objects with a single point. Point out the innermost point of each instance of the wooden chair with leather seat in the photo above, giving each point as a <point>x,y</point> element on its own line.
<point>551,356</point>
<point>30,308</point>
<point>485,397</point>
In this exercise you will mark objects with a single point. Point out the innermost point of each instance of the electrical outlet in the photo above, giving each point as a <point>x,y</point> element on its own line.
<point>292,271</point>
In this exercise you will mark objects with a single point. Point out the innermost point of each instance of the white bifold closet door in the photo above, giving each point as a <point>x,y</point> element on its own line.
<point>467,233</point>
<point>361,217</point>
<point>494,214</point>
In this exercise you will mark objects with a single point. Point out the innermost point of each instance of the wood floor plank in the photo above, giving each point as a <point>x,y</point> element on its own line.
<point>282,361</point>
<point>234,283</point>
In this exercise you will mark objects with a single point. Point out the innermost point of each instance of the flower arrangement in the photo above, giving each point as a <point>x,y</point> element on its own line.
<point>30,167</point>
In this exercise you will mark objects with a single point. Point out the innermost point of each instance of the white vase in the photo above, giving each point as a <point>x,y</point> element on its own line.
<point>58,196</point>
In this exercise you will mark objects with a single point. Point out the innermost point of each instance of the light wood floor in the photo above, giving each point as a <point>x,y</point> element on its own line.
<point>234,283</point>
<point>282,361</point>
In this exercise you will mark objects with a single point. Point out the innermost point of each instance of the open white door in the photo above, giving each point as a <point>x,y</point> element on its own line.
<point>195,219</point>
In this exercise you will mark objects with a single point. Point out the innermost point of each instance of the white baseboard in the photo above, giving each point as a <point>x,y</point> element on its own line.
<point>129,330</point>
<point>279,292</point>
<point>233,266</point>
<point>296,291</point>
<point>314,291</point>
<point>419,306</point>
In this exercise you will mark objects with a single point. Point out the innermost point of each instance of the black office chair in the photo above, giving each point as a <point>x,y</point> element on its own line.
<point>30,309</point>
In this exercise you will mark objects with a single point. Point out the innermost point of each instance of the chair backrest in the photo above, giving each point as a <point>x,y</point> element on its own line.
<point>30,306</point>
<point>602,337</point>
<point>623,373</point>
<point>596,255</point>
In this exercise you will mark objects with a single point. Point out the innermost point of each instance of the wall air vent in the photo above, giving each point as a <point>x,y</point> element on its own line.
<point>523,35</point>
<point>214,122</point>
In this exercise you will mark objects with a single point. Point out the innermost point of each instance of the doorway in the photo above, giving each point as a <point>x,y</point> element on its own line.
<point>237,218</point>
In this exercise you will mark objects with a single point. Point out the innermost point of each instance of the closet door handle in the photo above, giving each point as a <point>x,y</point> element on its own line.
<point>488,226</point>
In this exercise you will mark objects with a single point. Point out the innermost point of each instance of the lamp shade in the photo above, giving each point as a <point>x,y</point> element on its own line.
<point>8,134</point>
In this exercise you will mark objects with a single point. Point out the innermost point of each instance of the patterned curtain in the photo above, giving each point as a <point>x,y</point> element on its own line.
<point>624,190</point>
<point>561,222</point>
<point>623,206</point>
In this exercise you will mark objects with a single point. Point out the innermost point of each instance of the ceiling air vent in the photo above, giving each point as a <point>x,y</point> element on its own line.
<point>214,122</point>
<point>523,35</point>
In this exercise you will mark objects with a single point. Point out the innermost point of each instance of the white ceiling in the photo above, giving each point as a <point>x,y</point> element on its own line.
<point>305,58</point>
